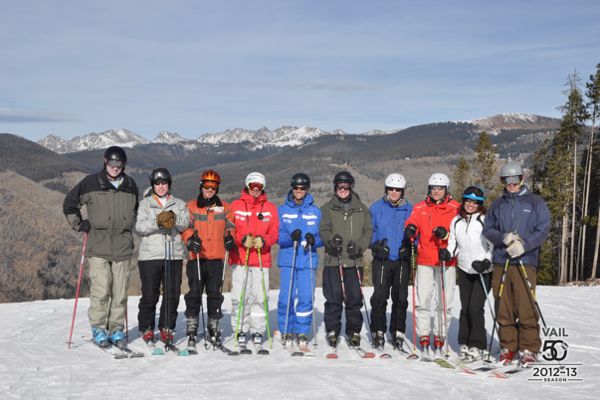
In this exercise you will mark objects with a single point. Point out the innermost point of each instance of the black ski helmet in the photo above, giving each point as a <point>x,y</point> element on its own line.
<point>115,153</point>
<point>300,179</point>
<point>160,175</point>
<point>343,176</point>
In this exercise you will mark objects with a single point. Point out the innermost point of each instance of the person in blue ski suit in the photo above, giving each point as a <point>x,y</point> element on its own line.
<point>391,257</point>
<point>299,220</point>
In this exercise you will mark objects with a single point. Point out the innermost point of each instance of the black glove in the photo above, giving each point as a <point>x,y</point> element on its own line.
<point>296,235</point>
<point>85,226</point>
<point>353,250</point>
<point>410,231</point>
<point>334,246</point>
<point>405,253</point>
<point>248,241</point>
<point>229,242</point>
<point>310,239</point>
<point>441,232</point>
<point>481,265</point>
<point>194,243</point>
<point>381,250</point>
<point>337,240</point>
<point>444,255</point>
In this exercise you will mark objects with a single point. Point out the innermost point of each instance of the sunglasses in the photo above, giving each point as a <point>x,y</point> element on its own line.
<point>342,187</point>
<point>303,188</point>
<point>115,164</point>
<point>393,189</point>
<point>255,186</point>
<point>161,183</point>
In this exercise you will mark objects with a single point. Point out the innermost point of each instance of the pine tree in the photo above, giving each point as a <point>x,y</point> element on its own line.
<point>485,166</point>
<point>462,174</point>
<point>593,105</point>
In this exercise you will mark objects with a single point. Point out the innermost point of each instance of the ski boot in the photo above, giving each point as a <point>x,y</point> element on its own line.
<point>424,341</point>
<point>474,354</point>
<point>398,341</point>
<point>288,338</point>
<point>354,340</point>
<point>257,339</point>
<point>438,346</point>
<point>241,339</point>
<point>100,337</point>
<point>117,338</point>
<point>463,352</point>
<point>527,358</point>
<point>192,331</point>
<point>506,357</point>
<point>214,334</point>
<point>332,339</point>
<point>302,341</point>
<point>378,340</point>
<point>148,335</point>
<point>166,336</point>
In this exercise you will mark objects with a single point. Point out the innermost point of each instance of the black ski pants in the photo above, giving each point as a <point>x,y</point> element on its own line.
<point>471,324</point>
<point>152,274</point>
<point>335,302</point>
<point>389,275</point>
<point>211,275</point>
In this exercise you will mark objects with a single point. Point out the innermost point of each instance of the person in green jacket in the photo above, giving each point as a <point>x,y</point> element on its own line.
<point>346,231</point>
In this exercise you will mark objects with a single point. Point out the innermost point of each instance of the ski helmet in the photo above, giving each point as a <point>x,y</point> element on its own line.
<point>439,179</point>
<point>395,181</point>
<point>256,177</point>
<point>343,176</point>
<point>115,153</point>
<point>300,179</point>
<point>511,172</point>
<point>160,175</point>
<point>210,175</point>
<point>475,193</point>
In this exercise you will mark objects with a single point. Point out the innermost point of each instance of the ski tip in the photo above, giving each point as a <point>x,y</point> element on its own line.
<point>183,353</point>
<point>412,356</point>
<point>331,356</point>
<point>368,354</point>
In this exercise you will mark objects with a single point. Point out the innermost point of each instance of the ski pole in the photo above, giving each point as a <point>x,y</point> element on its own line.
<point>485,292</point>
<point>312,284</point>
<point>289,299</point>
<point>398,298</point>
<point>201,301</point>
<point>531,292</point>
<point>413,263</point>
<point>242,297</point>
<point>500,290</point>
<point>445,329</point>
<point>167,287</point>
<point>265,300</point>
<point>341,269</point>
<point>363,299</point>
<point>225,262</point>
<point>79,278</point>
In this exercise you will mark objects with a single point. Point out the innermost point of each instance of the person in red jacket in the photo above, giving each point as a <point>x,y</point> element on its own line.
<point>207,239</point>
<point>256,230</point>
<point>429,222</point>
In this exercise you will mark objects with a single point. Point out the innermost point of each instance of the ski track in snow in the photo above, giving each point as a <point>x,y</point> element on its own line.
<point>35,362</point>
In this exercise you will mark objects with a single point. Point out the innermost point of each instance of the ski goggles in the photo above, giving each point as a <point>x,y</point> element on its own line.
<point>210,185</point>
<point>342,186</point>
<point>301,188</point>
<point>115,164</point>
<point>511,180</point>
<point>474,197</point>
<point>255,186</point>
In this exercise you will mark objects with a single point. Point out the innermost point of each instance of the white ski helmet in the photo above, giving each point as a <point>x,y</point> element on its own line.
<point>395,181</point>
<point>439,179</point>
<point>256,177</point>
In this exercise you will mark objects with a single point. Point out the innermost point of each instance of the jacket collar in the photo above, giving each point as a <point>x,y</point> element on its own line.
<point>249,199</point>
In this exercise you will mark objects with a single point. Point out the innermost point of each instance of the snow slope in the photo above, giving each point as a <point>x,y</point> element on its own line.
<point>35,362</point>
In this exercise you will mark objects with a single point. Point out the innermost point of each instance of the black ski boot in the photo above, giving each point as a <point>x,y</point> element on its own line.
<point>354,339</point>
<point>332,339</point>
<point>214,334</point>
<point>378,340</point>
<point>398,341</point>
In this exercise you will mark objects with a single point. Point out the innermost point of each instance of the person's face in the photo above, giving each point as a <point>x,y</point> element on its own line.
<point>160,188</point>
<point>114,168</point>
<point>394,194</point>
<point>470,206</point>
<point>437,192</point>
<point>209,190</point>
<point>299,192</point>
<point>512,184</point>
<point>255,189</point>
<point>342,190</point>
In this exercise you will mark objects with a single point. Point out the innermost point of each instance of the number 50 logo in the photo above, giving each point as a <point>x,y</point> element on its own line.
<point>554,350</point>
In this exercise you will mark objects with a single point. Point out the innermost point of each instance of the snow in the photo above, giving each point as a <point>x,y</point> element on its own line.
<point>37,365</point>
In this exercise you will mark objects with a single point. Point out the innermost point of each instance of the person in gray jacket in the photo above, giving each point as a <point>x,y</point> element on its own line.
<point>346,231</point>
<point>111,201</point>
<point>161,219</point>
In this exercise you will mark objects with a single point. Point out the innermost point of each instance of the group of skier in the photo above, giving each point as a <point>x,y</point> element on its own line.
<point>436,239</point>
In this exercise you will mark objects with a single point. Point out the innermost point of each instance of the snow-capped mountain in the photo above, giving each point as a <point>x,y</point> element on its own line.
<point>280,137</point>
<point>494,124</point>
<point>120,137</point>
<point>169,138</point>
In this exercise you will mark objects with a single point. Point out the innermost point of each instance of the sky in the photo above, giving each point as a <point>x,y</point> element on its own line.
<point>194,66</point>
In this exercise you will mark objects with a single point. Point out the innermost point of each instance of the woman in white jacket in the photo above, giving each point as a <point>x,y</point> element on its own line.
<point>160,220</point>
<point>474,255</point>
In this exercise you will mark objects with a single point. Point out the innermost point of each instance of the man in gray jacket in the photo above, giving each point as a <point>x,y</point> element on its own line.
<point>111,200</point>
<point>346,232</point>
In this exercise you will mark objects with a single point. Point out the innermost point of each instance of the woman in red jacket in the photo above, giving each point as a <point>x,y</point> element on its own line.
<point>256,230</point>
<point>429,222</point>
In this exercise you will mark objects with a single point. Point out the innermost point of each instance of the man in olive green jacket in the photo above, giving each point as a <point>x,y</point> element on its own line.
<point>346,231</point>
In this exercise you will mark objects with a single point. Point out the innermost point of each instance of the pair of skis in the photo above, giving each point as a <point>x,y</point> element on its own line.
<point>120,352</point>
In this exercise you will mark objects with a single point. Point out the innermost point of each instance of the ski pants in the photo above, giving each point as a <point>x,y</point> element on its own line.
<point>253,318</point>
<point>108,293</point>
<point>429,286</point>
<point>471,324</point>
<point>518,327</point>
<point>153,273</point>
<point>389,275</point>
<point>335,301</point>
<point>300,315</point>
<point>211,276</point>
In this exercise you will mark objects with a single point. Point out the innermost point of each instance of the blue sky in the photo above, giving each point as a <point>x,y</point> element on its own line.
<point>192,67</point>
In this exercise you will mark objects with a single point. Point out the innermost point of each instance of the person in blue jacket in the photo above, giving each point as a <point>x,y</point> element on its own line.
<point>391,257</point>
<point>299,220</point>
<point>517,224</point>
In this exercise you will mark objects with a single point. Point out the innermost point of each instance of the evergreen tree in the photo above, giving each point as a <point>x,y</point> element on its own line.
<point>593,105</point>
<point>462,175</point>
<point>485,166</point>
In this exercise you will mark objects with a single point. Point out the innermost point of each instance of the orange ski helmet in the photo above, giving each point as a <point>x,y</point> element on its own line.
<point>210,178</point>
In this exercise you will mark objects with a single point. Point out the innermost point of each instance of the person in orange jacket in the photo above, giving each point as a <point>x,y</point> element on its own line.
<point>256,230</point>
<point>429,222</point>
<point>208,237</point>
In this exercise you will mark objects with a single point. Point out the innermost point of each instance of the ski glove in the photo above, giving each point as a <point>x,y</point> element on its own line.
<point>353,250</point>
<point>510,237</point>
<point>229,242</point>
<point>259,242</point>
<point>335,245</point>
<point>444,255</point>
<point>441,232</point>
<point>166,220</point>
<point>481,265</point>
<point>194,243</point>
<point>381,250</point>
<point>248,241</point>
<point>85,226</point>
<point>310,239</point>
<point>516,249</point>
<point>410,231</point>
<point>296,235</point>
